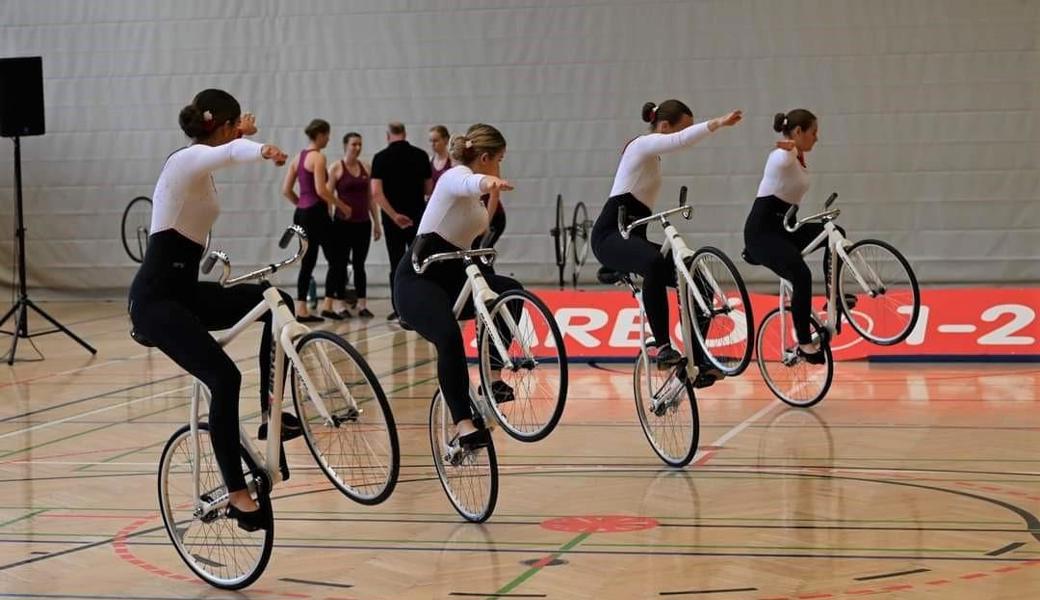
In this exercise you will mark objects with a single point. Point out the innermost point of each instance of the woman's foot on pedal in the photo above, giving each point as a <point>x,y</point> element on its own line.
<point>666,357</point>
<point>500,392</point>
<point>291,428</point>
<point>252,520</point>
<point>707,375</point>
<point>813,357</point>
<point>480,438</point>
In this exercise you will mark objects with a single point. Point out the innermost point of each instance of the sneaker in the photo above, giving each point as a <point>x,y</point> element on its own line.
<point>501,392</point>
<point>291,428</point>
<point>813,358</point>
<point>331,315</point>
<point>392,316</point>
<point>364,313</point>
<point>310,319</point>
<point>666,357</point>
<point>480,438</point>
<point>247,521</point>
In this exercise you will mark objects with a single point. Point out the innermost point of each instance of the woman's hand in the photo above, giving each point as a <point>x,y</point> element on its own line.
<point>274,154</point>
<point>247,124</point>
<point>377,231</point>
<point>493,185</point>
<point>730,119</point>
<point>402,221</point>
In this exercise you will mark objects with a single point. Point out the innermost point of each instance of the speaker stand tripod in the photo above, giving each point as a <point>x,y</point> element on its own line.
<point>20,310</point>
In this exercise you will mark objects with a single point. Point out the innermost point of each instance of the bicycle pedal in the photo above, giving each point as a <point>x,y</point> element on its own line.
<point>351,415</point>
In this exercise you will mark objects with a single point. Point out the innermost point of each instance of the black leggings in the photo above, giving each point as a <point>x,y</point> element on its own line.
<point>769,244</point>
<point>353,239</point>
<point>494,232</point>
<point>643,257</point>
<point>176,312</point>
<point>318,226</point>
<point>426,301</point>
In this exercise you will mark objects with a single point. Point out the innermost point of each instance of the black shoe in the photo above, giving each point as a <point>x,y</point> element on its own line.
<point>364,313</point>
<point>253,520</point>
<point>392,316</point>
<point>334,316</point>
<point>480,438</point>
<point>291,428</point>
<point>667,357</point>
<point>707,376</point>
<point>310,319</point>
<point>813,358</point>
<point>501,392</point>
<point>405,325</point>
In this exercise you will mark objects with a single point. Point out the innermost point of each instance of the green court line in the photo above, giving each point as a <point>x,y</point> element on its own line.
<point>512,585</point>
<point>23,517</point>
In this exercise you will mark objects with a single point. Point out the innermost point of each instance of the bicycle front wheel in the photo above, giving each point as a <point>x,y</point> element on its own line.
<point>879,292</point>
<point>667,409</point>
<point>137,219</point>
<point>726,330</point>
<point>580,228</point>
<point>469,478</point>
<point>354,440</point>
<point>787,375</point>
<point>212,545</point>
<point>536,369</point>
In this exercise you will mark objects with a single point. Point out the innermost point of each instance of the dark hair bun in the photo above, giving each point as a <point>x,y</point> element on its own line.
<point>648,112</point>
<point>778,122</point>
<point>192,122</point>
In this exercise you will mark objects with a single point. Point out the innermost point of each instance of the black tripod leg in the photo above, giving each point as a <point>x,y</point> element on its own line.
<point>20,318</point>
<point>60,327</point>
<point>9,313</point>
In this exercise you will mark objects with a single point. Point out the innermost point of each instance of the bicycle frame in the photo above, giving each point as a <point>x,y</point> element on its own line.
<point>285,330</point>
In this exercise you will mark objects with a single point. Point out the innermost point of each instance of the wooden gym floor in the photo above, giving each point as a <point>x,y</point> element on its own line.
<point>910,481</point>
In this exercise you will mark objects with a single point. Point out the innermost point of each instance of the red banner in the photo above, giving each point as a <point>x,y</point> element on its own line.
<point>953,322</point>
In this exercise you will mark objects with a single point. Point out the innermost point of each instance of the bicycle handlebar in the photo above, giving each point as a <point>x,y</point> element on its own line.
<point>225,277</point>
<point>820,216</point>
<point>489,253</point>
<point>626,229</point>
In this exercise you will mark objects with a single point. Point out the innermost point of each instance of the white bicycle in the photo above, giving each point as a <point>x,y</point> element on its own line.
<point>714,313</point>
<point>519,342</point>
<point>873,288</point>
<point>346,423</point>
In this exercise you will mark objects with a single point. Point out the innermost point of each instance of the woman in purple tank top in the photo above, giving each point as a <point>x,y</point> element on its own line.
<point>441,160</point>
<point>312,213</point>
<point>353,234</point>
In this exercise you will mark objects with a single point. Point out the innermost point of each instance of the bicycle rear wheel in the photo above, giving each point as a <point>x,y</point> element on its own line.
<point>137,219</point>
<point>212,545</point>
<point>887,300</point>
<point>726,332</point>
<point>538,374</point>
<point>667,409</point>
<point>787,375</point>
<point>559,234</point>
<point>469,478</point>
<point>356,446</point>
<point>581,226</point>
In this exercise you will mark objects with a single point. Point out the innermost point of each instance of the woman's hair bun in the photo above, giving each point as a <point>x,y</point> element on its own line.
<point>779,121</point>
<point>192,121</point>
<point>649,112</point>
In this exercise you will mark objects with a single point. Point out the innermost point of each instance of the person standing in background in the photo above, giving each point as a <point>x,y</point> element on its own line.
<point>312,214</point>
<point>441,160</point>
<point>349,182</point>
<point>401,182</point>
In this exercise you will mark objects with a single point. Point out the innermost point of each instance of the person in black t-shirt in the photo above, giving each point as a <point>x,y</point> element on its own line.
<point>401,181</point>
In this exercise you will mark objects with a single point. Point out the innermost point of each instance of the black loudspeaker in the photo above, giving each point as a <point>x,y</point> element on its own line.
<point>21,96</point>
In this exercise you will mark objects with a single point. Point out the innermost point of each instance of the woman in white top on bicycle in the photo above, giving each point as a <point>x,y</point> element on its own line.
<point>636,186</point>
<point>454,217</point>
<point>784,182</point>
<point>172,309</point>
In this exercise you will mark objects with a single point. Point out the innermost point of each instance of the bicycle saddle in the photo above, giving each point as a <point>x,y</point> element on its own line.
<point>747,257</point>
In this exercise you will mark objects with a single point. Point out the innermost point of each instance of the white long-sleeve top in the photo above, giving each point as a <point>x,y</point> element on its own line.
<point>784,177</point>
<point>639,172</point>
<point>455,211</point>
<point>185,197</point>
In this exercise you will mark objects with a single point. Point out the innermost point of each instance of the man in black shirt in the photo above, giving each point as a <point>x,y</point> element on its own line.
<point>401,181</point>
